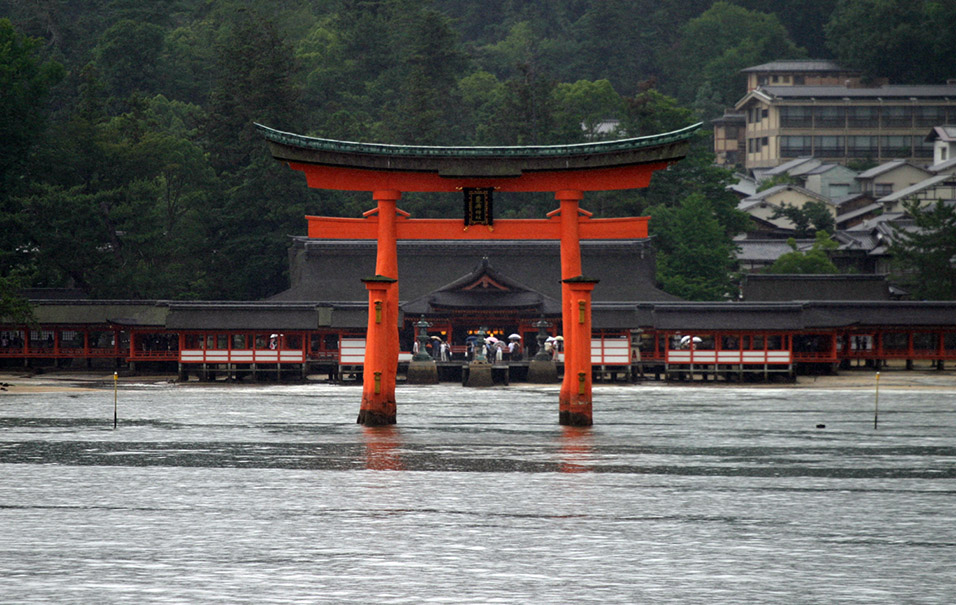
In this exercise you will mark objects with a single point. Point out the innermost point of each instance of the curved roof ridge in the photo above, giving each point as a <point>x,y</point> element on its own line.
<point>598,147</point>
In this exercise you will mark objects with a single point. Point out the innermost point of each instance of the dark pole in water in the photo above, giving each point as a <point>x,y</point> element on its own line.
<point>115,379</point>
<point>876,407</point>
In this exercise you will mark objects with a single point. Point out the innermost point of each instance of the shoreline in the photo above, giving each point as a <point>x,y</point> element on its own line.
<point>13,382</point>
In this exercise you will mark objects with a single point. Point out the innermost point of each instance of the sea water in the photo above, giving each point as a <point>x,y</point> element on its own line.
<point>272,494</point>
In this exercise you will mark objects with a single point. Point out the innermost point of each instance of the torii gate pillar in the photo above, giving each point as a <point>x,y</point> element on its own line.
<point>382,347</point>
<point>574,404</point>
<point>574,407</point>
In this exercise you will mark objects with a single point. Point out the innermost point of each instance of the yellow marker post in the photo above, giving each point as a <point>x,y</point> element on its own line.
<point>115,383</point>
<point>876,408</point>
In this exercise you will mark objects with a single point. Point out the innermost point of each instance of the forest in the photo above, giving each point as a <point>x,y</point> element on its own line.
<point>130,166</point>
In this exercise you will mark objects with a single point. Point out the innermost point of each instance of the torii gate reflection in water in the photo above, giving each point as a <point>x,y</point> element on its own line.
<point>389,170</point>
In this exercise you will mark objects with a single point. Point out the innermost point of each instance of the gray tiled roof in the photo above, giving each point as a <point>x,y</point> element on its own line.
<point>889,91</point>
<point>761,195</point>
<point>947,166</point>
<point>881,169</point>
<point>769,287</point>
<point>767,250</point>
<point>842,218</point>
<point>945,132</point>
<point>902,194</point>
<point>786,167</point>
<point>814,65</point>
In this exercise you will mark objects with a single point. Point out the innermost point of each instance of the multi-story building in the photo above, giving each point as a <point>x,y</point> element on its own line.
<point>811,72</point>
<point>785,119</point>
<point>730,138</point>
<point>842,124</point>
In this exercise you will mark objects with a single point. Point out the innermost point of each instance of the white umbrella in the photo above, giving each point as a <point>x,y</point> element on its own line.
<point>491,339</point>
<point>515,337</point>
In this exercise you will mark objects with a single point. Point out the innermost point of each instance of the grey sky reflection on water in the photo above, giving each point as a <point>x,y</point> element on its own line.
<point>274,494</point>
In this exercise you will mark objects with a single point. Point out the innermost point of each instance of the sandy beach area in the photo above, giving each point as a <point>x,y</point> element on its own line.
<point>12,382</point>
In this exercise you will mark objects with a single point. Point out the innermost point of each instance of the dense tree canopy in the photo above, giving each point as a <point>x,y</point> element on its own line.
<point>925,253</point>
<point>162,188</point>
<point>907,41</point>
<point>814,260</point>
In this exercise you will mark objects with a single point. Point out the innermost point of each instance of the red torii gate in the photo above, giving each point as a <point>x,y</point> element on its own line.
<point>389,170</point>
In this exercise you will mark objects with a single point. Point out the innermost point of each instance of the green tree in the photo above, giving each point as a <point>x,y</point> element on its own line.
<point>616,42</point>
<point>262,202</point>
<point>907,41</point>
<point>804,19</point>
<point>807,219</point>
<point>127,55</point>
<point>13,307</point>
<point>525,114</point>
<point>581,107</point>
<point>25,82</point>
<point>428,103</point>
<point>695,259</point>
<point>924,254</point>
<point>651,112</point>
<point>715,46</point>
<point>813,261</point>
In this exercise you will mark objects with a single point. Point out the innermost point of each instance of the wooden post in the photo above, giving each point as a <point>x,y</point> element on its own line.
<point>570,268</point>
<point>577,363</point>
<point>876,406</point>
<point>378,405</point>
<point>115,399</point>
<point>386,265</point>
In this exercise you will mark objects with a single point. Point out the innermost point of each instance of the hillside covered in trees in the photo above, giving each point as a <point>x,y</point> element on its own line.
<point>130,167</point>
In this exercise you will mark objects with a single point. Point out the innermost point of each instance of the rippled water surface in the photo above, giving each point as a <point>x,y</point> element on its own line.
<point>271,494</point>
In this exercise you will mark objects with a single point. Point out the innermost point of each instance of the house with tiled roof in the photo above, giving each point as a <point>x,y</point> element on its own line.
<point>890,177</point>
<point>926,192</point>
<point>943,139</point>
<point>762,205</point>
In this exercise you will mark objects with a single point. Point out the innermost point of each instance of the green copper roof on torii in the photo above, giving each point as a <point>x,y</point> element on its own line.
<point>523,151</point>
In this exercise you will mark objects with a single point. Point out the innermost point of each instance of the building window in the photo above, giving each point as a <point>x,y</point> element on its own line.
<point>795,117</point>
<point>930,116</point>
<point>764,114</point>
<point>897,116</point>
<point>830,147</point>
<point>863,117</point>
<point>896,146</point>
<point>798,80</point>
<point>795,146</point>
<point>829,117</point>
<point>943,153</point>
<point>923,149</point>
<point>862,147</point>
<point>882,189</point>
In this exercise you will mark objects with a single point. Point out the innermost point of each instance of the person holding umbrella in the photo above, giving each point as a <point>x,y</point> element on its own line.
<point>514,347</point>
<point>491,346</point>
<point>470,344</point>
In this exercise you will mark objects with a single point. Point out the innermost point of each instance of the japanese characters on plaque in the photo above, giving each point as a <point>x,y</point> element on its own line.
<point>478,206</point>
